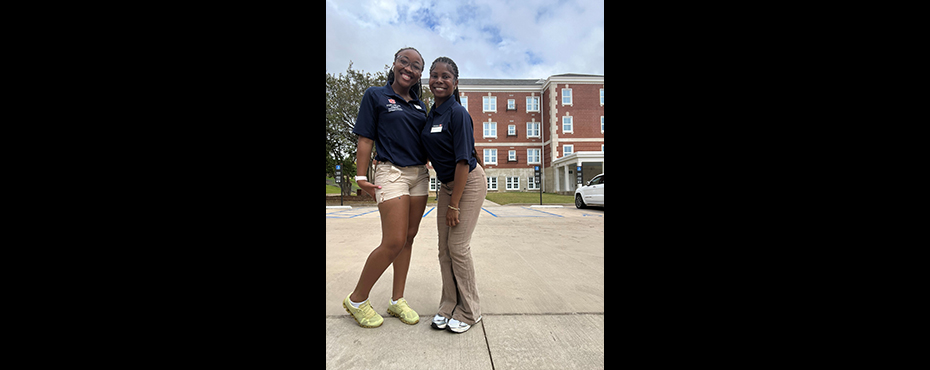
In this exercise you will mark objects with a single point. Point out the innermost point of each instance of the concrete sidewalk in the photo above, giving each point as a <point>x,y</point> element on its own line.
<point>540,279</point>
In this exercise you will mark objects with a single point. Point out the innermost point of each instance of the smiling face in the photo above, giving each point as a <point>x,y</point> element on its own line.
<point>407,68</point>
<point>442,82</point>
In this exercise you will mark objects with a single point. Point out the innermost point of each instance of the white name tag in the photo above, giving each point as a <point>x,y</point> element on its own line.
<point>436,128</point>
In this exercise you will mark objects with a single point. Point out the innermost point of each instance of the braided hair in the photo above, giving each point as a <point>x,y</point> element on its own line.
<point>418,87</point>
<point>455,71</point>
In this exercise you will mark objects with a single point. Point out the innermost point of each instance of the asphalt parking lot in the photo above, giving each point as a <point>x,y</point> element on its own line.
<point>540,278</point>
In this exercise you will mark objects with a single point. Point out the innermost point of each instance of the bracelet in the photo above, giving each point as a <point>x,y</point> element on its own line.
<point>457,209</point>
<point>360,178</point>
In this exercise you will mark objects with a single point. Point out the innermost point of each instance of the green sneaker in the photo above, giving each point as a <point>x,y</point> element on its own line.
<point>402,311</point>
<point>364,315</point>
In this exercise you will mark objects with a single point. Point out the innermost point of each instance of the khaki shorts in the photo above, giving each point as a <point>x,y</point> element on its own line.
<point>396,181</point>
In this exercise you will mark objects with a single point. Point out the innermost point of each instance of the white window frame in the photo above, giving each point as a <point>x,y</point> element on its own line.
<point>488,154</point>
<point>511,104</point>
<point>570,96</point>
<point>511,130</point>
<point>512,183</point>
<point>532,127</point>
<point>571,125</point>
<point>532,185</point>
<point>568,149</point>
<point>489,129</point>
<point>464,100</point>
<point>532,104</point>
<point>492,185</point>
<point>432,183</point>
<point>511,155</point>
<point>602,97</point>
<point>532,156</point>
<point>602,124</point>
<point>489,104</point>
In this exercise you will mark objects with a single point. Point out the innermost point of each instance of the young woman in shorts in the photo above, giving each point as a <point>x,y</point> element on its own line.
<point>392,116</point>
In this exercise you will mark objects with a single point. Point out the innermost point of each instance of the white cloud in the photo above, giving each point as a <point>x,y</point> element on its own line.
<point>486,38</point>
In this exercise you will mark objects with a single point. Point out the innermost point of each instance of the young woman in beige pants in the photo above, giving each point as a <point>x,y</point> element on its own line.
<point>449,142</point>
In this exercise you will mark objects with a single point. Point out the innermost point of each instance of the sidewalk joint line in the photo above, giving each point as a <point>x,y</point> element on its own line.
<point>505,314</point>
<point>491,357</point>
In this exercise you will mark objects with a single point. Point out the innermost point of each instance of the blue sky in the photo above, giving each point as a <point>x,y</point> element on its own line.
<point>486,38</point>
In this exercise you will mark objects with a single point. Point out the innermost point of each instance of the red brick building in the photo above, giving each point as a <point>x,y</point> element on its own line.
<point>556,123</point>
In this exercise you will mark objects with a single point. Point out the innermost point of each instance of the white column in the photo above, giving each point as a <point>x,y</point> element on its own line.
<point>568,178</point>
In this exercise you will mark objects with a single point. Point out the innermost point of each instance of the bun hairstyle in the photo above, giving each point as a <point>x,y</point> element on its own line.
<point>455,71</point>
<point>418,87</point>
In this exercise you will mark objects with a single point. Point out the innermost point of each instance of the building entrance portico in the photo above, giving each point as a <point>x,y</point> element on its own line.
<point>592,164</point>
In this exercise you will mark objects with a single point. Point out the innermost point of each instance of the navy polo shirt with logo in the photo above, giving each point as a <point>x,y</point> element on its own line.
<point>393,124</point>
<point>448,138</point>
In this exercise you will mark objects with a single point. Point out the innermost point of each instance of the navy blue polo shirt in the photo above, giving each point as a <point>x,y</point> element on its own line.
<point>393,124</point>
<point>448,138</point>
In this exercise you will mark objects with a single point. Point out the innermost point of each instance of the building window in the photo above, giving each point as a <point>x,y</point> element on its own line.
<point>489,104</point>
<point>532,185</point>
<point>490,129</point>
<point>433,183</point>
<point>511,130</point>
<point>602,96</point>
<point>464,102</point>
<point>490,156</point>
<point>567,126</point>
<point>566,96</point>
<point>602,147</point>
<point>511,156</point>
<point>513,183</point>
<point>492,183</point>
<point>602,124</point>
<point>532,129</point>
<point>532,104</point>
<point>532,156</point>
<point>511,104</point>
<point>568,149</point>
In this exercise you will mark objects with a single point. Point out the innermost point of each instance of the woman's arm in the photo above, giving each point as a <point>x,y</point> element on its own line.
<point>458,187</point>
<point>362,157</point>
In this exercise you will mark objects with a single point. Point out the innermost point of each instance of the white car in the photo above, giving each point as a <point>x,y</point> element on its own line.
<point>591,194</point>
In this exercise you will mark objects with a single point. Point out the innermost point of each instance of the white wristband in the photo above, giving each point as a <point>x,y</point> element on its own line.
<point>360,178</point>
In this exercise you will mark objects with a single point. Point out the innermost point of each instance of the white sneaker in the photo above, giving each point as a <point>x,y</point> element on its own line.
<point>460,327</point>
<point>439,322</point>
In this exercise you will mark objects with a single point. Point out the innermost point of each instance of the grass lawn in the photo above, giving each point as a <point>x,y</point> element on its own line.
<point>528,197</point>
<point>501,198</point>
<point>333,189</point>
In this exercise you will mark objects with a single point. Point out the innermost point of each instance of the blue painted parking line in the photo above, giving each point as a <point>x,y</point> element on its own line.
<point>427,212</point>
<point>515,212</point>
<point>335,215</point>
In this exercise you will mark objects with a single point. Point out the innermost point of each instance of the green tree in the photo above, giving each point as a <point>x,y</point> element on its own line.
<point>343,96</point>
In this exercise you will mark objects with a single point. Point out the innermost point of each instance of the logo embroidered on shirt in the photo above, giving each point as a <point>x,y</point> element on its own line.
<point>391,101</point>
